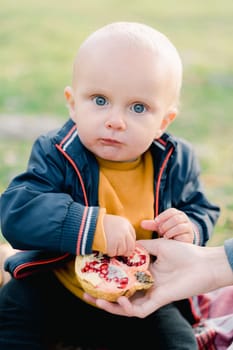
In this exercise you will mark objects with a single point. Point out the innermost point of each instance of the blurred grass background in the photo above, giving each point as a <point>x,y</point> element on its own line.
<point>39,39</point>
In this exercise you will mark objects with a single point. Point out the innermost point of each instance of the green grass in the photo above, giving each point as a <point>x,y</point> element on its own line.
<point>39,40</point>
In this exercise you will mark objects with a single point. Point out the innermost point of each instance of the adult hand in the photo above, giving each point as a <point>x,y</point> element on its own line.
<point>181,270</point>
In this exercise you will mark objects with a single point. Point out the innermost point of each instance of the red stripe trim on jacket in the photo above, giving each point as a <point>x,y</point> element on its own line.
<point>159,181</point>
<point>81,230</point>
<point>68,135</point>
<point>18,271</point>
<point>77,172</point>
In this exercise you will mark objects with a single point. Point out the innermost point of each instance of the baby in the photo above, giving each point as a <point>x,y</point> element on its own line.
<point>97,184</point>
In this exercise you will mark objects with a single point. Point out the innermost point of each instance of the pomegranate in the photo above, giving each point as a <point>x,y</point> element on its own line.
<point>110,277</point>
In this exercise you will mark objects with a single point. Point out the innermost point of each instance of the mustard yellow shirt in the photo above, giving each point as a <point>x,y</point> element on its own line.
<point>126,189</point>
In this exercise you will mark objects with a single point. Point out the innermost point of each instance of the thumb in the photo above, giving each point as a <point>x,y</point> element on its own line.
<point>151,245</point>
<point>149,224</point>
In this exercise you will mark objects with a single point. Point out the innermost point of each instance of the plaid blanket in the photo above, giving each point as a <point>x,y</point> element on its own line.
<point>214,331</point>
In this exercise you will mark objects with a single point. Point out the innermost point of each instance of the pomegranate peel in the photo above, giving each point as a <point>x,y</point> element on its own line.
<point>110,277</point>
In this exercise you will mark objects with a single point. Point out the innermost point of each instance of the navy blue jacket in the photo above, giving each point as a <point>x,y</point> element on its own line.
<point>50,211</point>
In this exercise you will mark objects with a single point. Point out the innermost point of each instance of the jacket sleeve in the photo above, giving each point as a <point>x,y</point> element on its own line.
<point>188,193</point>
<point>38,211</point>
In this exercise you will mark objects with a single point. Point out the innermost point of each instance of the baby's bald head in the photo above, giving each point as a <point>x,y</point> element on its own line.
<point>130,39</point>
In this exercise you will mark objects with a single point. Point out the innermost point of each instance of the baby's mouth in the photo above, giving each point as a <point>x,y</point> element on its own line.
<point>110,142</point>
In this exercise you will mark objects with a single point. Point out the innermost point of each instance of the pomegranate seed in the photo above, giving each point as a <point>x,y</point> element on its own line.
<point>103,267</point>
<point>103,274</point>
<point>123,282</point>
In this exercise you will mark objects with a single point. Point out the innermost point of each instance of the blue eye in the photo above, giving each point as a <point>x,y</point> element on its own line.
<point>100,100</point>
<point>138,108</point>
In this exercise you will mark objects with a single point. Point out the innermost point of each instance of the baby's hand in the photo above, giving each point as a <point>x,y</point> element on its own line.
<point>173,224</point>
<point>120,235</point>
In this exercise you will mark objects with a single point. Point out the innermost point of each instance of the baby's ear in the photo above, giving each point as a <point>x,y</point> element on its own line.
<point>167,120</point>
<point>69,96</point>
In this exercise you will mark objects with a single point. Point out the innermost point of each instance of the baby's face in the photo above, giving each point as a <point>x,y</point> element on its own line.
<point>121,99</point>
